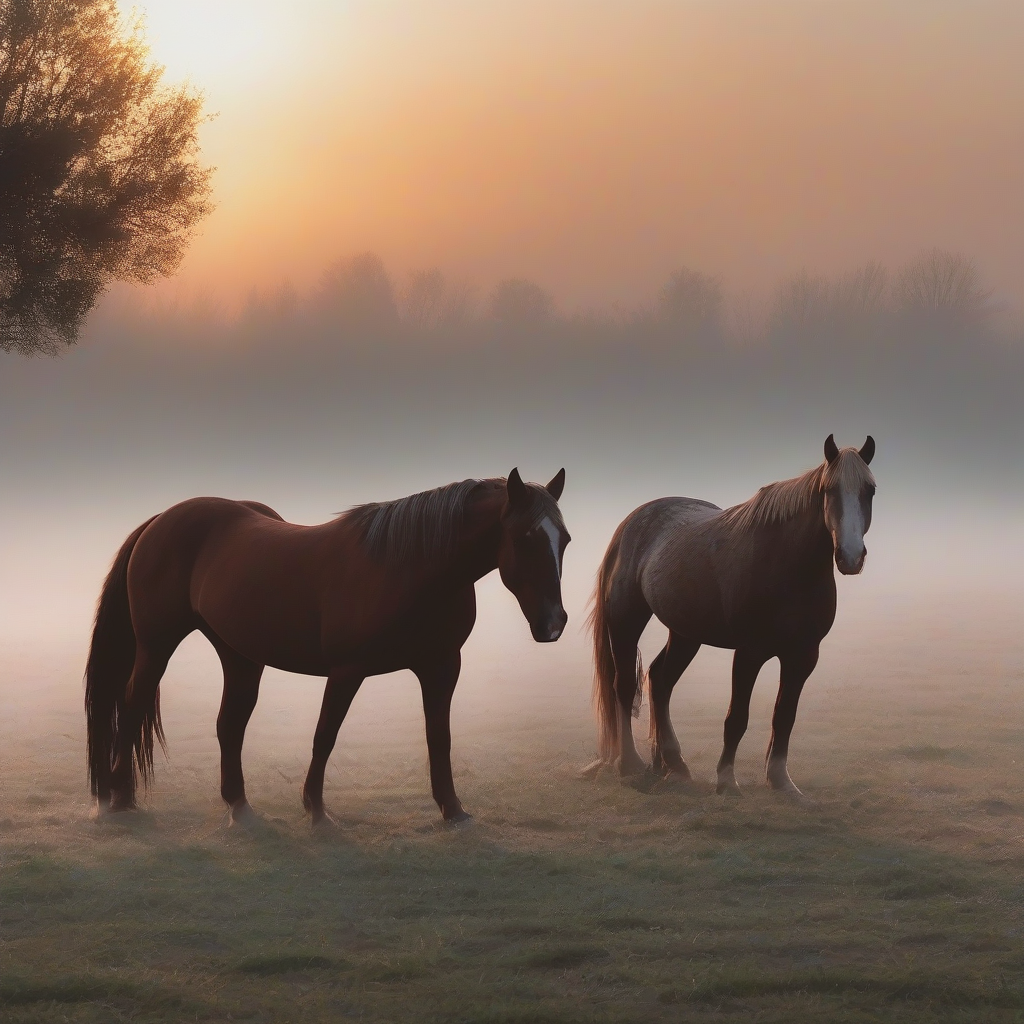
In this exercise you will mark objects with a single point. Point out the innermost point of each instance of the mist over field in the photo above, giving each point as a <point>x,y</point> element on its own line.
<point>370,387</point>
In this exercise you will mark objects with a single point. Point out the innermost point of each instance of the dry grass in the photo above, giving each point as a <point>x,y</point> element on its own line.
<point>896,896</point>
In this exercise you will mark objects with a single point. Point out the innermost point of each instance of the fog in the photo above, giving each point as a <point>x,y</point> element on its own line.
<point>313,407</point>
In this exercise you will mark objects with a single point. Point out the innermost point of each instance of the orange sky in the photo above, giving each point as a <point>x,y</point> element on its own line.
<point>594,146</point>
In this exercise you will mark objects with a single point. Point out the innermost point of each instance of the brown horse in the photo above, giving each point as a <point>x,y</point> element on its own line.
<point>756,578</point>
<point>383,587</point>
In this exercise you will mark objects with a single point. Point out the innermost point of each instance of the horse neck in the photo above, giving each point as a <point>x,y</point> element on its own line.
<point>476,552</point>
<point>803,535</point>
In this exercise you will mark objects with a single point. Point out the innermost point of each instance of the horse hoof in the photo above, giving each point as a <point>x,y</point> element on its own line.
<point>459,819</point>
<point>117,809</point>
<point>324,823</point>
<point>631,767</point>
<point>674,768</point>
<point>593,769</point>
<point>242,815</point>
<point>727,785</point>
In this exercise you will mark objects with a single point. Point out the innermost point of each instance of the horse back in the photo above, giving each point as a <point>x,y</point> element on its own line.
<point>300,598</point>
<point>204,553</point>
<point>728,585</point>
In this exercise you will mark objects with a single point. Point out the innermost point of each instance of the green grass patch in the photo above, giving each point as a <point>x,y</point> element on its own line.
<point>266,966</point>
<point>839,982</point>
<point>84,989</point>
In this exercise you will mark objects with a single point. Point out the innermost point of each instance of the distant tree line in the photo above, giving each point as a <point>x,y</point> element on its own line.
<point>357,298</point>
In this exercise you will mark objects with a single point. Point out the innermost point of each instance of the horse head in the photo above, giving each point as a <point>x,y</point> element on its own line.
<point>530,555</point>
<point>848,486</point>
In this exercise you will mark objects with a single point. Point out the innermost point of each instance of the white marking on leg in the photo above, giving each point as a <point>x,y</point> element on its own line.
<point>778,776</point>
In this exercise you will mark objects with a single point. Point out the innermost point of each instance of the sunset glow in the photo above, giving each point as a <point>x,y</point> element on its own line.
<point>595,147</point>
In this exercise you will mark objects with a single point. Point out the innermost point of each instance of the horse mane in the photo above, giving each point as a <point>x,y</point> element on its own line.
<point>420,526</point>
<point>786,499</point>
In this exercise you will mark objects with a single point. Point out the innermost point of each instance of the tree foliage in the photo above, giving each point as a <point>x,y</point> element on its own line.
<point>99,173</point>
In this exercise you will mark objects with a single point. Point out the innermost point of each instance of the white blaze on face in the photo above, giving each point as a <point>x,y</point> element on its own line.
<point>850,540</point>
<point>554,537</point>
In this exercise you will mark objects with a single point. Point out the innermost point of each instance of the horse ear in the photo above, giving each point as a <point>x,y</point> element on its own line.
<point>831,451</point>
<point>867,453</point>
<point>517,496</point>
<point>556,484</point>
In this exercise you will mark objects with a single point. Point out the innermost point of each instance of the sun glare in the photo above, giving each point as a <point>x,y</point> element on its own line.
<point>224,43</point>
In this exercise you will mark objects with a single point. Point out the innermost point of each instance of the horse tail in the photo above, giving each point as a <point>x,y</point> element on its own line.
<point>605,703</point>
<point>107,674</point>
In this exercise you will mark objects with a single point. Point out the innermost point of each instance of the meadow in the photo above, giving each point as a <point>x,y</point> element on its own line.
<point>894,893</point>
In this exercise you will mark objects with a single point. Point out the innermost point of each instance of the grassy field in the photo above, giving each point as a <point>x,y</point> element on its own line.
<point>898,894</point>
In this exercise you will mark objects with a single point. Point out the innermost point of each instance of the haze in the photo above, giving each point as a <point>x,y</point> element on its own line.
<point>595,147</point>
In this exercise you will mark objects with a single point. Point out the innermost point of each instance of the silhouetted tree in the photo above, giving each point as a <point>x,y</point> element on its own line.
<point>691,300</point>
<point>800,304</point>
<point>99,172</point>
<point>808,303</point>
<point>940,283</point>
<point>859,295</point>
<point>520,302</point>
<point>431,302</point>
<point>358,292</point>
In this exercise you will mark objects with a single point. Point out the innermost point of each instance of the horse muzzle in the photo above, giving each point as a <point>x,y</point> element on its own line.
<point>850,566</point>
<point>550,628</point>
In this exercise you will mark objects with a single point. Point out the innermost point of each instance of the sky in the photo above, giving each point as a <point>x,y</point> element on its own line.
<point>595,146</point>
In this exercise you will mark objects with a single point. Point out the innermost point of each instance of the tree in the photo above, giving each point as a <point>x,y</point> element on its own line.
<point>691,300</point>
<point>357,293</point>
<point>800,304</point>
<point>99,173</point>
<point>941,284</point>
<point>521,303</point>
<point>431,302</point>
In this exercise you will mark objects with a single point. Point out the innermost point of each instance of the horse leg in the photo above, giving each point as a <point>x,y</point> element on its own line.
<point>745,666</point>
<point>624,640</point>
<point>797,665</point>
<point>139,703</point>
<point>241,689</point>
<point>341,688</point>
<point>663,675</point>
<point>437,685</point>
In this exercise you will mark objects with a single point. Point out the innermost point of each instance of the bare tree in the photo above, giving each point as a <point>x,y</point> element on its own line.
<point>800,304</point>
<point>99,172</point>
<point>860,294</point>
<point>815,303</point>
<point>941,283</point>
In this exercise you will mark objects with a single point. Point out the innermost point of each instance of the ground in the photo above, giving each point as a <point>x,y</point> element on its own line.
<point>896,894</point>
